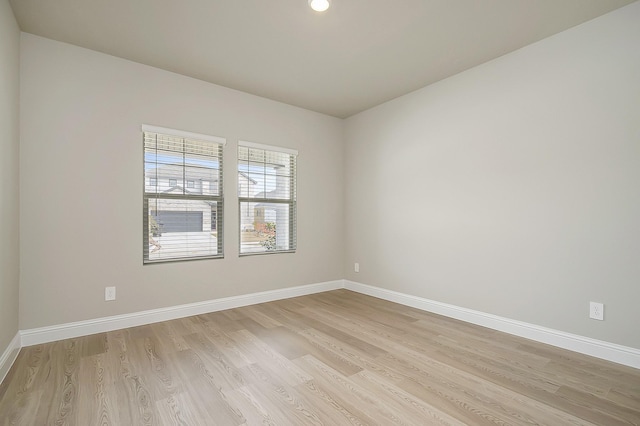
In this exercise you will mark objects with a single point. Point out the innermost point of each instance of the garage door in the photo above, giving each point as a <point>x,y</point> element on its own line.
<point>169,221</point>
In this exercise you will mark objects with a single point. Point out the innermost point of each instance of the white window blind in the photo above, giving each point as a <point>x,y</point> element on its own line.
<point>183,197</point>
<point>267,197</point>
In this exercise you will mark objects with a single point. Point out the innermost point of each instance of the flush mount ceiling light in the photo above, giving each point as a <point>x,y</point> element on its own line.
<point>319,5</point>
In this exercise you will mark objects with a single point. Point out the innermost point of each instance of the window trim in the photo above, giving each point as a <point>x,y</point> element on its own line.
<point>184,134</point>
<point>147,196</point>
<point>268,147</point>
<point>292,202</point>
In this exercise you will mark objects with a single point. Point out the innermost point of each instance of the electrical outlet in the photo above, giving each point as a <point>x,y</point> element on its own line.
<point>596,311</point>
<point>356,267</point>
<point>109,293</point>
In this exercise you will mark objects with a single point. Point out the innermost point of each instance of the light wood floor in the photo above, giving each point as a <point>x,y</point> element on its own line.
<point>334,358</point>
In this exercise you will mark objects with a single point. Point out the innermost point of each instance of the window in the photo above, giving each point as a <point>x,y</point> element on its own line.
<point>191,184</point>
<point>180,224</point>
<point>153,181</point>
<point>267,197</point>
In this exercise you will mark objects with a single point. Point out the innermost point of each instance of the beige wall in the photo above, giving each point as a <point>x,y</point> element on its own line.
<point>9,154</point>
<point>81,186</point>
<point>512,188</point>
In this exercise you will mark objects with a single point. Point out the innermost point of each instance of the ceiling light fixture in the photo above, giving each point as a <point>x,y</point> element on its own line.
<point>319,5</point>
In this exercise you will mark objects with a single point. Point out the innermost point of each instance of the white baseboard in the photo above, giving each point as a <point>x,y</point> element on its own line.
<point>9,356</point>
<point>597,348</point>
<point>37,336</point>
<point>585,345</point>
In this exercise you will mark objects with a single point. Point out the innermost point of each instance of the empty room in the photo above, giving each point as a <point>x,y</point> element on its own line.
<point>322,212</point>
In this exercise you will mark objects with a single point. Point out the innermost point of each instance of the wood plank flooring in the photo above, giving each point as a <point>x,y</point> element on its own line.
<point>335,358</point>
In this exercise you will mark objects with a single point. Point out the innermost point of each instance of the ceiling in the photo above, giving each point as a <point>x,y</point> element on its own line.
<point>356,55</point>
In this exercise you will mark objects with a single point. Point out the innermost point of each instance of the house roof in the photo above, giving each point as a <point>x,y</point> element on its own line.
<point>244,175</point>
<point>180,190</point>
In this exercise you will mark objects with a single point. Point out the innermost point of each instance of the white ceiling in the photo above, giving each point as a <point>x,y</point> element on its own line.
<point>356,55</point>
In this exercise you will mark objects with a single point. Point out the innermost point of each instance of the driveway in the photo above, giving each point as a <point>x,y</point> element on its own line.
<point>173,245</point>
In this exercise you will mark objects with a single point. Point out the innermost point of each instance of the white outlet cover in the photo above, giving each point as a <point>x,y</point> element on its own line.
<point>109,293</point>
<point>596,311</point>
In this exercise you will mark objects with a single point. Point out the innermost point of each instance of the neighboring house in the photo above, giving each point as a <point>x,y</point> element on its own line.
<point>179,215</point>
<point>176,215</point>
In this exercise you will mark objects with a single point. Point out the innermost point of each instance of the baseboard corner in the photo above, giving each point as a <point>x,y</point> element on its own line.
<point>9,356</point>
